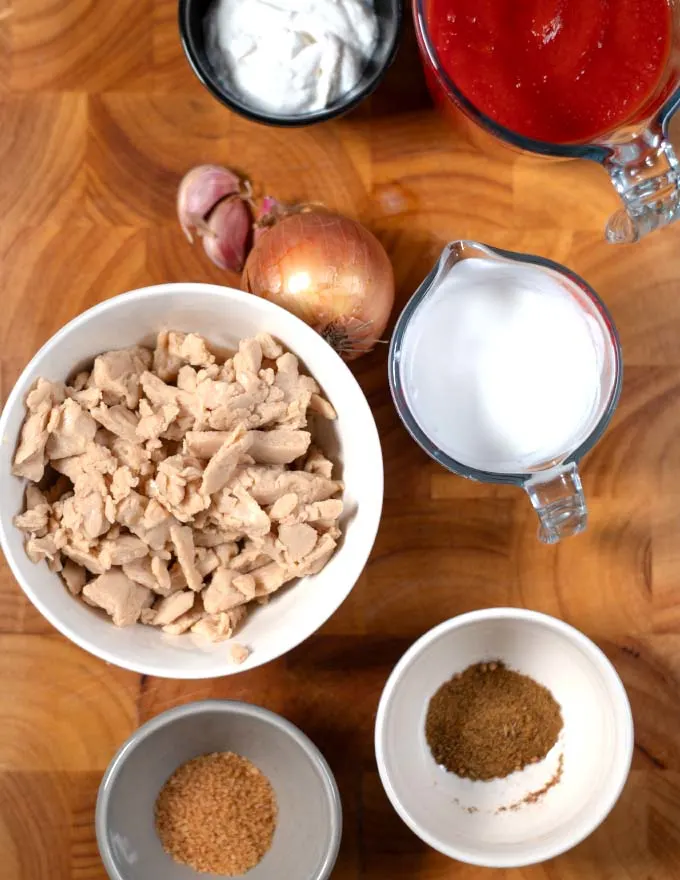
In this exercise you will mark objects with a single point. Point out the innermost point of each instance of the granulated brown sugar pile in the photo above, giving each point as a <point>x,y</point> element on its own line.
<point>489,721</point>
<point>217,814</point>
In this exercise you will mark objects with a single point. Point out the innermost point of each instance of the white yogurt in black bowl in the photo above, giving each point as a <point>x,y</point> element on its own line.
<point>290,64</point>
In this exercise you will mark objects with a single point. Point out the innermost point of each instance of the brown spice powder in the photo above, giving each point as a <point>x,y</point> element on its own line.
<point>535,796</point>
<point>217,814</point>
<point>489,721</point>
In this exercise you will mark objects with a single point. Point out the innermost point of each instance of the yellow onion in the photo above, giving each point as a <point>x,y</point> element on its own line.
<point>328,270</point>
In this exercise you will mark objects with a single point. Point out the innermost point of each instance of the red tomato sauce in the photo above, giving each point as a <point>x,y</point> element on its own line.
<point>561,71</point>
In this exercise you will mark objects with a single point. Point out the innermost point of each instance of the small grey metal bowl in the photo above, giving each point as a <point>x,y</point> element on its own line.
<point>309,826</point>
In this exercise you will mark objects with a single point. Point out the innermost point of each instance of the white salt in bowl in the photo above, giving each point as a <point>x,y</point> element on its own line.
<point>223,316</point>
<point>464,819</point>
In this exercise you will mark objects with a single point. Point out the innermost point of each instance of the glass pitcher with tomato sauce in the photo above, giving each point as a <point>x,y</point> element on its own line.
<point>588,79</point>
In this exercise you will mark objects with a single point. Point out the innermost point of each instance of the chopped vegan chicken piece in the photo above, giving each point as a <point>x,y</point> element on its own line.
<point>217,627</point>
<point>158,393</point>
<point>41,548</point>
<point>74,576</point>
<point>30,458</point>
<point>319,511</point>
<point>298,540</point>
<point>121,598</point>
<point>86,558</point>
<point>248,358</point>
<point>315,561</point>
<point>140,571</point>
<point>80,381</point>
<point>191,348</point>
<point>284,506</point>
<point>147,616</point>
<point>246,584</point>
<point>226,552</point>
<point>204,444</point>
<point>125,548</point>
<point>172,607</point>
<point>269,346</point>
<point>238,653</point>
<point>165,365</point>
<point>268,578</point>
<point>243,513</point>
<point>320,405</point>
<point>254,554</point>
<point>117,373</point>
<point>177,487</point>
<point>224,462</point>
<point>186,621</point>
<point>44,395</point>
<point>131,454</point>
<point>119,420</point>
<point>221,595</point>
<point>88,398</point>
<point>123,481</point>
<point>160,571</point>
<point>35,518</point>
<point>155,422</point>
<point>183,541</point>
<point>176,502</point>
<point>317,463</point>
<point>266,486</point>
<point>72,429</point>
<point>206,561</point>
<point>84,515</point>
<point>177,579</point>
<point>279,446</point>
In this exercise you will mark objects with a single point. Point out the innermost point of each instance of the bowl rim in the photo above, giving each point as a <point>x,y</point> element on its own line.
<point>226,707</point>
<point>357,562</point>
<point>230,100</point>
<point>614,686</point>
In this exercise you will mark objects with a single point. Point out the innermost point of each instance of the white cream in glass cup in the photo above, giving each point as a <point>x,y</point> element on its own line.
<point>506,368</point>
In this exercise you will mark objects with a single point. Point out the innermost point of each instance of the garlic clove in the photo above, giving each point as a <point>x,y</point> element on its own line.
<point>200,192</point>
<point>226,237</point>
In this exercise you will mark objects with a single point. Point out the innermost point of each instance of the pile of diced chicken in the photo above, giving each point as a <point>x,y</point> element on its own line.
<point>174,490</point>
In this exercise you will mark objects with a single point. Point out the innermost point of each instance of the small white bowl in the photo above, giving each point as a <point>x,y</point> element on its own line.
<point>223,316</point>
<point>309,823</point>
<point>462,818</point>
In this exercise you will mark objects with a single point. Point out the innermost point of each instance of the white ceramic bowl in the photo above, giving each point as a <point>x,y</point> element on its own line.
<point>461,818</point>
<point>223,316</point>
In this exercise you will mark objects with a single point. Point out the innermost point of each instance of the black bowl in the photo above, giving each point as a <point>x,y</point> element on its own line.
<point>192,15</point>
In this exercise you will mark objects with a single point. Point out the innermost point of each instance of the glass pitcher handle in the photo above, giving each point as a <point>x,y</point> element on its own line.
<point>557,497</point>
<point>646,174</point>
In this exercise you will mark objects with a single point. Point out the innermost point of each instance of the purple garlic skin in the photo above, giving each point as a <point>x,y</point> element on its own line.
<point>200,191</point>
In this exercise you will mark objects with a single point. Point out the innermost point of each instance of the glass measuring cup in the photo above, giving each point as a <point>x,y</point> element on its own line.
<point>554,485</point>
<point>638,155</point>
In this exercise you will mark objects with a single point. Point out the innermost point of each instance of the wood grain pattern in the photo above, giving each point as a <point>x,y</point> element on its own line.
<point>100,118</point>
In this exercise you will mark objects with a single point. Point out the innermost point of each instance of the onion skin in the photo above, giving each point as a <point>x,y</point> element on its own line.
<point>329,271</point>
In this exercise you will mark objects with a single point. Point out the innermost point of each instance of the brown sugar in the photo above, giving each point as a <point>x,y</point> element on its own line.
<point>217,814</point>
<point>489,721</point>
